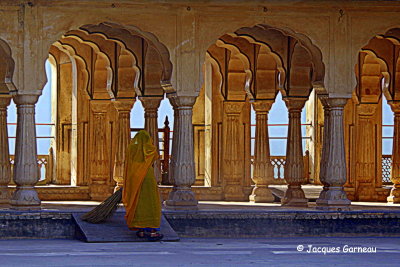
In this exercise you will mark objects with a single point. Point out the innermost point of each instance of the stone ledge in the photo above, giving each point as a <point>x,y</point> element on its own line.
<point>289,215</point>
<point>284,224</point>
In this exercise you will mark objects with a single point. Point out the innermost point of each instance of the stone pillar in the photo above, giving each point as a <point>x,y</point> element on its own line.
<point>335,172</point>
<point>5,167</point>
<point>182,163</point>
<point>26,173</point>
<point>263,171</point>
<point>366,157</point>
<point>123,108</point>
<point>174,146</point>
<point>394,196</point>
<point>99,151</point>
<point>294,166</point>
<point>321,201</point>
<point>151,105</point>
<point>232,160</point>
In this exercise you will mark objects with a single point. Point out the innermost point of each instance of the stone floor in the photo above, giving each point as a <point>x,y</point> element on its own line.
<point>220,205</point>
<point>202,252</point>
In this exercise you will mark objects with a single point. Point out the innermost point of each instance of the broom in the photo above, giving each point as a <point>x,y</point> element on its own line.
<point>105,210</point>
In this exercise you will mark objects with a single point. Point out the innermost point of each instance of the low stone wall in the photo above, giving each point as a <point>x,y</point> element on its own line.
<point>283,224</point>
<point>45,225</point>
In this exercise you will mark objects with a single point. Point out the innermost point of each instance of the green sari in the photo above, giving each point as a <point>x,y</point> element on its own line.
<point>140,194</point>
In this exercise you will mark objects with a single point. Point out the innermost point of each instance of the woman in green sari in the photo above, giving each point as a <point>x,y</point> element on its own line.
<point>140,194</point>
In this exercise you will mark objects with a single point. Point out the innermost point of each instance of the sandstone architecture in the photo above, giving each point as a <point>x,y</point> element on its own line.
<point>215,61</point>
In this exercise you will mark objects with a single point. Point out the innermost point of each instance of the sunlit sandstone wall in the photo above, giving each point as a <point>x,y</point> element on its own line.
<point>187,28</point>
<point>339,29</point>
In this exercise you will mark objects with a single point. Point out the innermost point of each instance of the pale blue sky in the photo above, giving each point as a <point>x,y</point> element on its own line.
<point>277,115</point>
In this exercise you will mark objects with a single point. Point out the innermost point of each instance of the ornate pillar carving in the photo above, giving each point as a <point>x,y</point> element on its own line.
<point>26,173</point>
<point>123,108</point>
<point>394,196</point>
<point>232,160</point>
<point>99,151</point>
<point>325,150</point>
<point>366,156</point>
<point>5,167</point>
<point>294,166</point>
<point>151,105</point>
<point>182,158</point>
<point>263,171</point>
<point>335,172</point>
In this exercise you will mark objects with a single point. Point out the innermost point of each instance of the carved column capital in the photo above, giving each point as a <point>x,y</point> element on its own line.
<point>337,102</point>
<point>181,101</point>
<point>123,105</point>
<point>366,109</point>
<point>5,101</point>
<point>233,108</point>
<point>395,106</point>
<point>324,100</point>
<point>151,102</point>
<point>26,99</point>
<point>100,106</point>
<point>295,103</point>
<point>263,106</point>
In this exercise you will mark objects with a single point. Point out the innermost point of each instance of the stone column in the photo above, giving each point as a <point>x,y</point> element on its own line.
<point>294,166</point>
<point>321,201</point>
<point>232,160</point>
<point>263,171</point>
<point>99,151</point>
<point>394,196</point>
<point>174,146</point>
<point>123,108</point>
<point>26,173</point>
<point>335,172</point>
<point>151,105</point>
<point>182,163</point>
<point>5,167</point>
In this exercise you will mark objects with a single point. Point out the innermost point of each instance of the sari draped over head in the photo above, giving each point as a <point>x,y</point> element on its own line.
<point>140,194</point>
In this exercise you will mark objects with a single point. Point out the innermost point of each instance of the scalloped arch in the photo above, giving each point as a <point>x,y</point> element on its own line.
<point>7,69</point>
<point>243,58</point>
<point>116,31</point>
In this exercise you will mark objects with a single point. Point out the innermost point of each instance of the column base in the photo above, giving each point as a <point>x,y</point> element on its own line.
<point>335,199</point>
<point>234,193</point>
<point>25,196</point>
<point>394,197</point>
<point>100,192</point>
<point>321,200</point>
<point>181,198</point>
<point>4,195</point>
<point>261,194</point>
<point>294,197</point>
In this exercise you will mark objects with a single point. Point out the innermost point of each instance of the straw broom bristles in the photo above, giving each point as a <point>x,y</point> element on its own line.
<point>105,210</point>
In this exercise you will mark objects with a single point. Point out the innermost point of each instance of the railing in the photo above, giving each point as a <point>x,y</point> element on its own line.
<point>278,163</point>
<point>37,124</point>
<point>45,165</point>
<point>386,169</point>
<point>45,168</point>
<point>281,125</point>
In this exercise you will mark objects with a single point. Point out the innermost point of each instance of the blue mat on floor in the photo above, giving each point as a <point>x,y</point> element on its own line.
<point>116,230</point>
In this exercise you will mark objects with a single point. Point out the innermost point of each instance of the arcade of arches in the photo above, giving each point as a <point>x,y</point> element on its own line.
<point>214,63</point>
